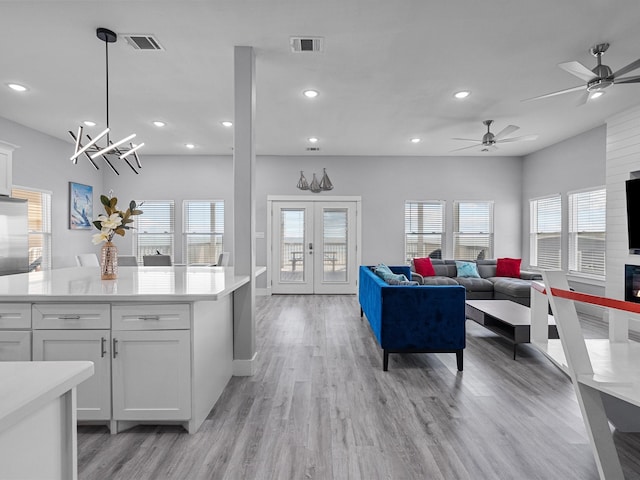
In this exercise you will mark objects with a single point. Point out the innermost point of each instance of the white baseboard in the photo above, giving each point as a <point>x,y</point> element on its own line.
<point>245,368</point>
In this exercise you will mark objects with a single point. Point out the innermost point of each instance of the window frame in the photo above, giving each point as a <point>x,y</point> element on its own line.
<point>46,234</point>
<point>534,233</point>
<point>212,232</point>
<point>489,235</point>
<point>144,206</point>
<point>574,234</point>
<point>442,233</point>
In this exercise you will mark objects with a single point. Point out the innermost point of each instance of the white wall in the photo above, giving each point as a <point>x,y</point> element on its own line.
<point>623,157</point>
<point>574,164</point>
<point>42,162</point>
<point>384,183</point>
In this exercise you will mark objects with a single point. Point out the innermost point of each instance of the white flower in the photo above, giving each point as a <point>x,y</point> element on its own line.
<point>111,222</point>
<point>103,236</point>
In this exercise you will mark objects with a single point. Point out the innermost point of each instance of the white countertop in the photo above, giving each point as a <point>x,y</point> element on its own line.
<point>27,386</point>
<point>140,284</point>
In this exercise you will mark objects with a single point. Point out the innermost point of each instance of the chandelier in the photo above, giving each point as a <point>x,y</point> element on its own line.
<point>315,186</point>
<point>122,149</point>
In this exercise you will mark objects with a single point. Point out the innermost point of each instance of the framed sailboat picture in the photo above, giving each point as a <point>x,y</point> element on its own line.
<point>80,206</point>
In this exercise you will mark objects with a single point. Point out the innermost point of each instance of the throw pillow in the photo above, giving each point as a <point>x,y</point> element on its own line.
<point>467,269</point>
<point>424,267</point>
<point>508,267</point>
<point>386,274</point>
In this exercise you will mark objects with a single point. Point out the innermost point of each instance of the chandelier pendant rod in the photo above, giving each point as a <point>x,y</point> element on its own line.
<point>106,56</point>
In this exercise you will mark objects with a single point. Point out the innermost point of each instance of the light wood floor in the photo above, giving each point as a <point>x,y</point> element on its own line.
<point>320,407</point>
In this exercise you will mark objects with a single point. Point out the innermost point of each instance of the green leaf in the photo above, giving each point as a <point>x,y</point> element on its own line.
<point>97,224</point>
<point>104,200</point>
<point>132,205</point>
<point>136,212</point>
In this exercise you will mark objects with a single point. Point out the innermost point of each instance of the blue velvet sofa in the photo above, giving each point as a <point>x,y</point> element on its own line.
<point>413,319</point>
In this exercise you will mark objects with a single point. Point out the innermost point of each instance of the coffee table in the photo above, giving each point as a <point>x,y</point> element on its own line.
<point>508,319</point>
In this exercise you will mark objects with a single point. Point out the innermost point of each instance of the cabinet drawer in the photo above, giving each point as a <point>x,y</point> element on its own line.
<point>71,316</point>
<point>151,317</point>
<point>15,345</point>
<point>15,315</point>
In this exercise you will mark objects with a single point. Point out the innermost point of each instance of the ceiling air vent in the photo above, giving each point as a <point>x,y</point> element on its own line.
<point>306,44</point>
<point>313,149</point>
<point>142,41</point>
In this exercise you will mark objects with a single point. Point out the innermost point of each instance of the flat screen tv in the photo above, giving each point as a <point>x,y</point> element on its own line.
<point>633,215</point>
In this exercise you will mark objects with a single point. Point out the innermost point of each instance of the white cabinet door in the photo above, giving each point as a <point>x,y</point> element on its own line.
<point>151,375</point>
<point>15,345</point>
<point>94,394</point>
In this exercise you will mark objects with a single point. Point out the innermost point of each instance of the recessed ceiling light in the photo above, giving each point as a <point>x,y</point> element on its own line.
<point>89,123</point>
<point>313,140</point>
<point>227,123</point>
<point>416,140</point>
<point>158,123</point>
<point>462,94</point>
<point>597,94</point>
<point>17,87</point>
<point>311,93</point>
<point>189,145</point>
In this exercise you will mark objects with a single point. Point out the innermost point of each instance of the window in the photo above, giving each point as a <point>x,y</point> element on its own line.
<point>203,230</point>
<point>472,230</point>
<point>39,213</point>
<point>587,230</point>
<point>154,229</point>
<point>423,229</point>
<point>546,232</point>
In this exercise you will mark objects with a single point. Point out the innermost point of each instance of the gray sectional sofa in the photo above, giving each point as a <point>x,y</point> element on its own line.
<point>488,287</point>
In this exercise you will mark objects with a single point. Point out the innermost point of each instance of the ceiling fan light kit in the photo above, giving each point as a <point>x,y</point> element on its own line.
<point>489,140</point>
<point>92,150</point>
<point>598,78</point>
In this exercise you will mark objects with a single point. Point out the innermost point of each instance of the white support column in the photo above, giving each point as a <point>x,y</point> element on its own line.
<point>618,326</point>
<point>244,210</point>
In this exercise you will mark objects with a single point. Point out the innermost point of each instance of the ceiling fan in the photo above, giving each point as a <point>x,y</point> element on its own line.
<point>598,78</point>
<point>489,140</point>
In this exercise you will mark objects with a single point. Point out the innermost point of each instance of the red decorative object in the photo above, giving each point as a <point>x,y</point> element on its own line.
<point>508,267</point>
<point>424,267</point>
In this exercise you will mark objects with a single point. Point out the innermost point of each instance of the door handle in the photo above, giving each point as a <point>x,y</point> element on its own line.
<point>115,347</point>
<point>103,345</point>
<point>310,247</point>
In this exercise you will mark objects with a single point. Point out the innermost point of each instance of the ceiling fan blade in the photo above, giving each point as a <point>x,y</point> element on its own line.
<point>466,148</point>
<point>568,90</point>
<point>578,69</point>
<point>583,98</point>
<point>467,139</point>
<point>508,130</point>
<point>518,139</point>
<point>635,79</point>
<point>628,68</point>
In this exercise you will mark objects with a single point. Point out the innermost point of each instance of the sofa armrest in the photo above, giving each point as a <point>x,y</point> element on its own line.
<point>527,275</point>
<point>416,277</point>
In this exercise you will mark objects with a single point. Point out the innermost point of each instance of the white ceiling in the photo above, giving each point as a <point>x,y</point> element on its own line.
<point>387,74</point>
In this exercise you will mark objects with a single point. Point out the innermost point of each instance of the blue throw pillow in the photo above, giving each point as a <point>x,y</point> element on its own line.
<point>386,274</point>
<point>467,269</point>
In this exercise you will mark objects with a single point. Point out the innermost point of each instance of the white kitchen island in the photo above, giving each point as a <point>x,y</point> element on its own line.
<point>161,338</point>
<point>38,419</point>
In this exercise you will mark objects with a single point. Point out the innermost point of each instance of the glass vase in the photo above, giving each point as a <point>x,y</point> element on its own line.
<point>109,262</point>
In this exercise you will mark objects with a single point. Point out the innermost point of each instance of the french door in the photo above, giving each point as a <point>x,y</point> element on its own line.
<point>314,247</point>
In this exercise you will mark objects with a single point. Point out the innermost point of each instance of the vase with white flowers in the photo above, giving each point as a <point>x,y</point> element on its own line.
<point>115,222</point>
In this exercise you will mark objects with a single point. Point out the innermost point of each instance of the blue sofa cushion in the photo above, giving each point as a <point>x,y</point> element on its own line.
<point>388,276</point>
<point>467,269</point>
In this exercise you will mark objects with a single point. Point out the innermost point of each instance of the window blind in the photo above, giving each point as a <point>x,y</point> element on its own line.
<point>546,232</point>
<point>39,221</point>
<point>472,230</point>
<point>423,229</point>
<point>203,227</point>
<point>154,229</point>
<point>587,231</point>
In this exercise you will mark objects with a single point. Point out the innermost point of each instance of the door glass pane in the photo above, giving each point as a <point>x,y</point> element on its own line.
<point>292,241</point>
<point>334,231</point>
